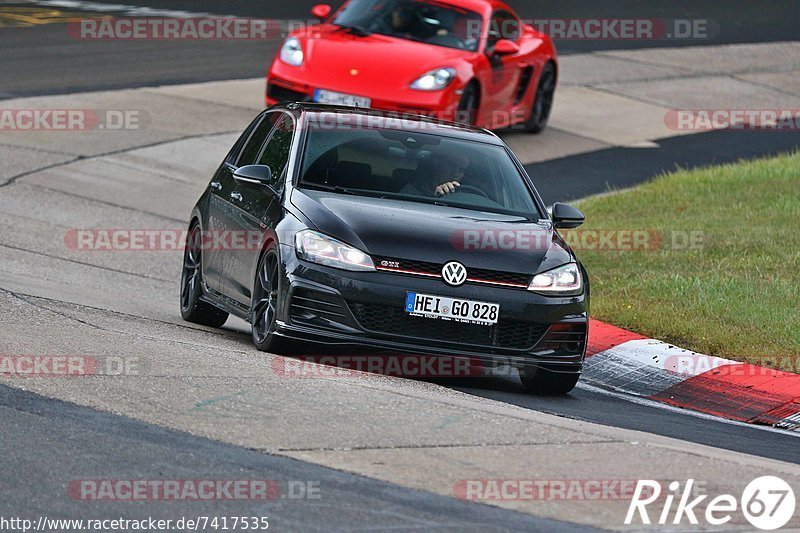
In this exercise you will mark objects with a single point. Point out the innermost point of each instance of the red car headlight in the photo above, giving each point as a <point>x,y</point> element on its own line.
<point>292,52</point>
<point>435,80</point>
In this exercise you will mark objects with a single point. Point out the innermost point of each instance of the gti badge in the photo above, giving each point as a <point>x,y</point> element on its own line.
<point>454,273</point>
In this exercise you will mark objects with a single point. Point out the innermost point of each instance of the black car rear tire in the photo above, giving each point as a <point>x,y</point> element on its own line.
<point>542,100</point>
<point>264,307</point>
<point>193,309</point>
<point>539,381</point>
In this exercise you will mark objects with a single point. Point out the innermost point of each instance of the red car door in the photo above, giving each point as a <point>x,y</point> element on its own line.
<point>501,73</point>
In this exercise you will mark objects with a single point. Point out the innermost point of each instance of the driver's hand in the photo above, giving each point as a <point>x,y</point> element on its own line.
<point>446,188</point>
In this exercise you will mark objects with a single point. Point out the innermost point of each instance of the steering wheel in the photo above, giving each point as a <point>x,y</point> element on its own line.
<point>475,190</point>
<point>448,40</point>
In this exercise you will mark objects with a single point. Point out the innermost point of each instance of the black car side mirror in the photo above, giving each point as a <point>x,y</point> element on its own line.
<point>255,175</point>
<point>565,216</point>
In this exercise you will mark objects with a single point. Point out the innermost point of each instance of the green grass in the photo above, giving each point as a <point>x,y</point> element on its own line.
<point>735,296</point>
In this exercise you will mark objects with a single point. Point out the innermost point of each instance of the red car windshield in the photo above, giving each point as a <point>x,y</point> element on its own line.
<point>414,20</point>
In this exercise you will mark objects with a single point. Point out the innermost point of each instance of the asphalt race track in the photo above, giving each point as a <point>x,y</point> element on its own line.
<point>204,404</point>
<point>76,435</point>
<point>582,175</point>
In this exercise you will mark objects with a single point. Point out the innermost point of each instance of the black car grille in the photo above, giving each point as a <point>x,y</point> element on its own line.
<point>393,320</point>
<point>475,275</point>
<point>494,276</point>
<point>284,94</point>
<point>420,267</point>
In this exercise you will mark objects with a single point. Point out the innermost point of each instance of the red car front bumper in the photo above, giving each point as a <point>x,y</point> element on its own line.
<point>284,85</point>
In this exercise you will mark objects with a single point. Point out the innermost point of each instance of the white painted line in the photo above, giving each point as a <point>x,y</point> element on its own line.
<point>665,356</point>
<point>645,367</point>
<point>790,422</point>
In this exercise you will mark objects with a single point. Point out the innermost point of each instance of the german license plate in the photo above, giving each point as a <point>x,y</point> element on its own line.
<point>330,97</point>
<point>455,309</point>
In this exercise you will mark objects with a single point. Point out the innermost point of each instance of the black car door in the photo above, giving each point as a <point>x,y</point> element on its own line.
<point>221,186</point>
<point>225,241</point>
<point>260,208</point>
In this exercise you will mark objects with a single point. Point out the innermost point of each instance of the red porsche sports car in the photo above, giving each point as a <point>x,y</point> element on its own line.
<point>470,61</point>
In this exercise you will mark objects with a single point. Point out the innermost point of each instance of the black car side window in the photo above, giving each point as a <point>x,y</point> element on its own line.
<point>233,155</point>
<point>276,152</point>
<point>251,149</point>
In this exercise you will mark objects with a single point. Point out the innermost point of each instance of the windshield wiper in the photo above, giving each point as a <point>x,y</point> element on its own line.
<point>332,188</point>
<point>344,190</point>
<point>355,29</point>
<point>440,203</point>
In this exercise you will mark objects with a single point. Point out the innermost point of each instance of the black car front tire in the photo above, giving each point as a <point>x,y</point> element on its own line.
<point>264,306</point>
<point>193,309</point>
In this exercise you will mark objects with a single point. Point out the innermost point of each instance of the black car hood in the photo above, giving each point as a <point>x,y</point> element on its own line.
<point>415,231</point>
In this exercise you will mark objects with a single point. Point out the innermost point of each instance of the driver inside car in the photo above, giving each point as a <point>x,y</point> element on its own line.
<point>404,21</point>
<point>440,176</point>
<point>401,20</point>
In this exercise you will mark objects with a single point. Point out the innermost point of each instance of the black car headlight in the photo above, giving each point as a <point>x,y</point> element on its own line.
<point>319,248</point>
<point>564,280</point>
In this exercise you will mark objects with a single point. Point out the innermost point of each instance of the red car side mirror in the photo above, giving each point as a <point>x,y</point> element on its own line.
<point>321,11</point>
<point>504,47</point>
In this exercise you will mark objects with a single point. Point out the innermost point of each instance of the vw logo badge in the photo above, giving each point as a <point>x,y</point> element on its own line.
<point>454,273</point>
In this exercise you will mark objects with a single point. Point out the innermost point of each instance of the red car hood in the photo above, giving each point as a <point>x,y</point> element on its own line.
<point>345,62</point>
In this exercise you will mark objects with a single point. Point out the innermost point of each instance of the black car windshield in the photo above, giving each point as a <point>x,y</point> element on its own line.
<point>407,164</point>
<point>414,20</point>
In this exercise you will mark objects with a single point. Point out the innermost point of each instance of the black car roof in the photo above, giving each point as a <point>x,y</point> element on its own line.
<point>431,125</point>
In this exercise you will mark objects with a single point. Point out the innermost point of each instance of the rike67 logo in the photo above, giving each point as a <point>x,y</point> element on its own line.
<point>767,503</point>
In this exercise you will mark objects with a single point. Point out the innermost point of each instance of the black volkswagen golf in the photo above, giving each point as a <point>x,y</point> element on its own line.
<point>343,226</point>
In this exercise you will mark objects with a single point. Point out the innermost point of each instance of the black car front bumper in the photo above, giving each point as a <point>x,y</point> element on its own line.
<point>332,306</point>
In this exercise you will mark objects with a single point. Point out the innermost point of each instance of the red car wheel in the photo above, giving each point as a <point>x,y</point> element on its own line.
<point>468,105</point>
<point>542,100</point>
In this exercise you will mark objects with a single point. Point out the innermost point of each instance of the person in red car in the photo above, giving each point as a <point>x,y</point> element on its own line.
<point>401,19</point>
